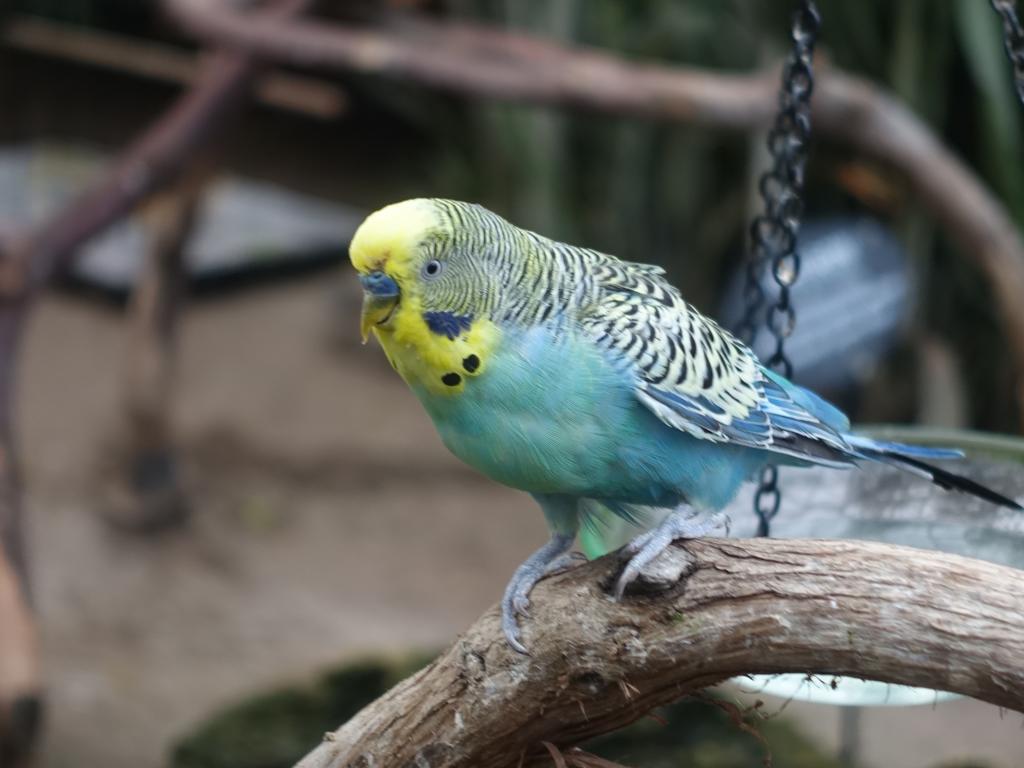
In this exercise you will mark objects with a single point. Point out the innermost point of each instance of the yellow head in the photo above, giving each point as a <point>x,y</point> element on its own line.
<point>388,252</point>
<point>389,240</point>
<point>428,287</point>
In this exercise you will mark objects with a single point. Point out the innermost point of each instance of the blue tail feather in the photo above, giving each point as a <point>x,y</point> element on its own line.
<point>910,458</point>
<point>902,449</point>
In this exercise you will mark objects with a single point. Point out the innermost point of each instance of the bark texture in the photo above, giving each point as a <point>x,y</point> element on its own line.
<point>705,611</point>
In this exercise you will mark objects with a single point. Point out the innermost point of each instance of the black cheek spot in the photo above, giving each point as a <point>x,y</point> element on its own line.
<point>471,363</point>
<point>452,379</point>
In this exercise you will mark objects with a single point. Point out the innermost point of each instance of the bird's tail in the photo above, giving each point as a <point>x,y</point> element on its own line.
<point>911,458</point>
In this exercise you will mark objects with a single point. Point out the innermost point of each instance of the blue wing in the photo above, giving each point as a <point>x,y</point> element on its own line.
<point>785,419</point>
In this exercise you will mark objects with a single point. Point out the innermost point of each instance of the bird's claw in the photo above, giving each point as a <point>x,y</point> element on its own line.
<point>511,630</point>
<point>647,546</point>
<point>515,604</point>
<point>521,606</point>
<point>549,559</point>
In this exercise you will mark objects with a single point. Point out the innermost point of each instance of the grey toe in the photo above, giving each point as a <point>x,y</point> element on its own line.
<point>647,546</point>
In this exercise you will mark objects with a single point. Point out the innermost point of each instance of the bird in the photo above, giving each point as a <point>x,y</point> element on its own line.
<point>588,382</point>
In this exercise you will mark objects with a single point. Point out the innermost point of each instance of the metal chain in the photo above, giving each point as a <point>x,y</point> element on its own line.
<point>773,233</point>
<point>1013,38</point>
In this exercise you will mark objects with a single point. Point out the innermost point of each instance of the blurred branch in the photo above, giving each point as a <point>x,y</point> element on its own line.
<point>280,90</point>
<point>12,541</point>
<point>20,684</point>
<point>486,63</point>
<point>149,493</point>
<point>492,64</point>
<point>709,609</point>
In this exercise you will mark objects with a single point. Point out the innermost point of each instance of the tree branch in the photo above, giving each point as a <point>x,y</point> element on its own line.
<point>162,62</point>
<point>707,610</point>
<point>20,679</point>
<point>486,63</point>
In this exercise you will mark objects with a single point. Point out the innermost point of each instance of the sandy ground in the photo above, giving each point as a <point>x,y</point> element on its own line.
<point>328,521</point>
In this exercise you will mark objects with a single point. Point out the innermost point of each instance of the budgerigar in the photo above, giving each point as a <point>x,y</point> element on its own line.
<point>587,382</point>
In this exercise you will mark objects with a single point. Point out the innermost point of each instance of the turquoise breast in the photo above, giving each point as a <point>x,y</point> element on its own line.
<point>552,414</point>
<point>533,418</point>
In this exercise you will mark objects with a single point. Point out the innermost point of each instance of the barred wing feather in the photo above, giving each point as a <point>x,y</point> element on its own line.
<point>696,377</point>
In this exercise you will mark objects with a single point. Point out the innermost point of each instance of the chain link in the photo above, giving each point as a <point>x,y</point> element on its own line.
<point>773,233</point>
<point>1013,39</point>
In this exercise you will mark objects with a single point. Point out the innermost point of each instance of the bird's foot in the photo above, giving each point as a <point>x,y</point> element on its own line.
<point>681,524</point>
<point>553,557</point>
<point>564,563</point>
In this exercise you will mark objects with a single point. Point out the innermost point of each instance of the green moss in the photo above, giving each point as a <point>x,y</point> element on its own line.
<point>275,729</point>
<point>687,622</point>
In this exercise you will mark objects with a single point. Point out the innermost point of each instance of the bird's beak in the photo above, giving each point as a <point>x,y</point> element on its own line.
<point>380,297</point>
<point>376,311</point>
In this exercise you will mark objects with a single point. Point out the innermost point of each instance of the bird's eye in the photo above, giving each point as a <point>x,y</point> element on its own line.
<point>432,268</point>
